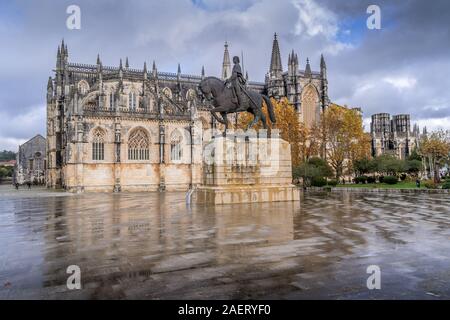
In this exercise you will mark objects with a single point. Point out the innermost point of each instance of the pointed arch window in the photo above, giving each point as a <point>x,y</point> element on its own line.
<point>98,145</point>
<point>309,102</point>
<point>132,101</point>
<point>138,146</point>
<point>111,100</point>
<point>176,151</point>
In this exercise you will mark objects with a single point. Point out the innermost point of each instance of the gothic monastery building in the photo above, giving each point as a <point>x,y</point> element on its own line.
<point>124,129</point>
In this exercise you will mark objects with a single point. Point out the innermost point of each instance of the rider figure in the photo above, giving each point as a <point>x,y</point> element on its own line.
<point>237,80</point>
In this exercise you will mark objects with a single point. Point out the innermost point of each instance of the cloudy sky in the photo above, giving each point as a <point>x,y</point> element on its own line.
<point>402,68</point>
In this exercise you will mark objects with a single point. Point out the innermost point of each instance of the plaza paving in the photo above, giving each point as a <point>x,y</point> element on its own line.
<point>152,246</point>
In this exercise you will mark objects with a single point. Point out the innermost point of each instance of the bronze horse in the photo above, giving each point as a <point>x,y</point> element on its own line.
<point>214,90</point>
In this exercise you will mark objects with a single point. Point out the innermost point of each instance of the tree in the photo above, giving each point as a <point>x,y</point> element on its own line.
<point>310,141</point>
<point>435,148</point>
<point>311,169</point>
<point>414,167</point>
<point>3,173</point>
<point>344,137</point>
<point>389,165</point>
<point>415,155</point>
<point>287,123</point>
<point>7,155</point>
<point>362,166</point>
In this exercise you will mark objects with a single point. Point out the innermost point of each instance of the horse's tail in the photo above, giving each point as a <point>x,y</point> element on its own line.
<point>270,109</point>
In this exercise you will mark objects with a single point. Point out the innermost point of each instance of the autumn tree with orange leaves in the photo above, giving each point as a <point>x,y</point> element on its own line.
<point>287,123</point>
<point>344,137</point>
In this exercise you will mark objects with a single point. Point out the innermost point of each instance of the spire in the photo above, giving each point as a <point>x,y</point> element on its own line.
<point>323,65</point>
<point>246,75</point>
<point>296,60</point>
<point>275,62</point>
<point>154,71</point>
<point>127,65</point>
<point>58,58</point>
<point>62,48</point>
<point>99,65</point>
<point>120,64</point>
<point>145,72</point>
<point>203,71</point>
<point>308,68</point>
<point>226,64</point>
<point>179,69</point>
<point>50,84</point>
<point>49,89</point>
<point>289,59</point>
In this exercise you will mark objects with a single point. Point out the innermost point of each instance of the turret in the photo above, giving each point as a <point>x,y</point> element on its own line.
<point>49,89</point>
<point>120,88</point>
<point>276,68</point>
<point>178,73</point>
<point>226,64</point>
<point>323,74</point>
<point>100,77</point>
<point>154,70</point>
<point>323,67</point>
<point>145,71</point>
<point>292,64</point>
<point>274,79</point>
<point>308,72</point>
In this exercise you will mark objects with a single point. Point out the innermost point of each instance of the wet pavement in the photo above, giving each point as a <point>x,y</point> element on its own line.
<point>151,246</point>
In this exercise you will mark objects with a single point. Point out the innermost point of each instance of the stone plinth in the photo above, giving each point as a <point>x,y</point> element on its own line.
<point>246,170</point>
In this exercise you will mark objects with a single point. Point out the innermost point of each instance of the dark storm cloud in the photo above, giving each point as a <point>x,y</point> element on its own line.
<point>398,69</point>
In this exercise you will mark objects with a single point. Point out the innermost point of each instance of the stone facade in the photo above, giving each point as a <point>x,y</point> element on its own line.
<point>393,136</point>
<point>243,169</point>
<point>31,161</point>
<point>119,128</point>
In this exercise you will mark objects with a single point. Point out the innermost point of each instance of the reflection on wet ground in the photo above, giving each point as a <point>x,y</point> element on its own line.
<point>151,246</point>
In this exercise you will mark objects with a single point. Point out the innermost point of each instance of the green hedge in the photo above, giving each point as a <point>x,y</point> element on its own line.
<point>371,180</point>
<point>361,179</point>
<point>446,184</point>
<point>318,182</point>
<point>332,183</point>
<point>390,180</point>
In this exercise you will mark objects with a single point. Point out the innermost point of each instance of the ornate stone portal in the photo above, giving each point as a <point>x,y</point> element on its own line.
<point>246,169</point>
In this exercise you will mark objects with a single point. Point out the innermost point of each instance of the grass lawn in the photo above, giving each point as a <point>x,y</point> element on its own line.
<point>400,185</point>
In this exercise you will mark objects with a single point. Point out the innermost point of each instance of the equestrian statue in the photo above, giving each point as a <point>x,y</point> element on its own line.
<point>231,96</point>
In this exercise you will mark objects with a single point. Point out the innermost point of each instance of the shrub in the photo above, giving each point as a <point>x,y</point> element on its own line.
<point>332,183</point>
<point>318,182</point>
<point>361,179</point>
<point>403,177</point>
<point>381,179</point>
<point>446,184</point>
<point>430,184</point>
<point>371,180</point>
<point>390,180</point>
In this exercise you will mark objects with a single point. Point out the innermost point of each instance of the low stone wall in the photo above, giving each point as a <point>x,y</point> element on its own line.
<point>379,190</point>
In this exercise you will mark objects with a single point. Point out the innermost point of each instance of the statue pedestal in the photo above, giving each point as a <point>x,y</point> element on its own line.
<point>247,170</point>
